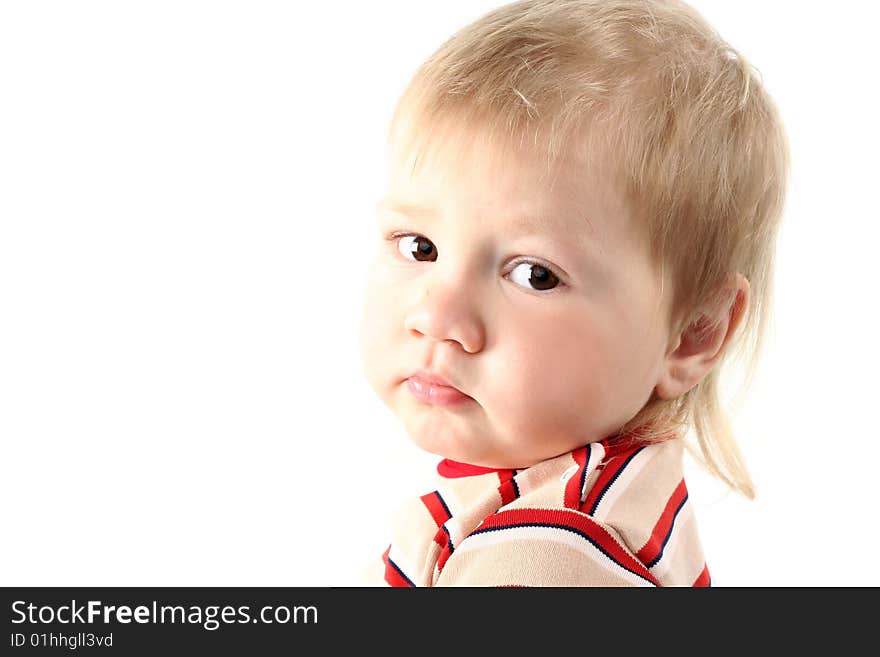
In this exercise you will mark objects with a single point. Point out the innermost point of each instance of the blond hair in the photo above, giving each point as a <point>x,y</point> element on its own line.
<point>686,129</point>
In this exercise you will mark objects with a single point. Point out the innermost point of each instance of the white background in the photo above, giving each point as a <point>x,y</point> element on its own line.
<point>185,190</point>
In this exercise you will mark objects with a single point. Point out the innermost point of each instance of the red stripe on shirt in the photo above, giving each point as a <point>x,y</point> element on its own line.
<point>618,460</point>
<point>579,523</point>
<point>445,553</point>
<point>434,503</point>
<point>453,469</point>
<point>621,444</point>
<point>652,547</point>
<point>393,575</point>
<point>704,579</point>
<point>507,489</point>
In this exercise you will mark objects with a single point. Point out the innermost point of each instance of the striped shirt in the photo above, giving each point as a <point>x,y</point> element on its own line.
<point>602,515</point>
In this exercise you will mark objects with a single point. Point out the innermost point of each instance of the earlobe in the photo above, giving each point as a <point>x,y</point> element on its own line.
<point>701,343</point>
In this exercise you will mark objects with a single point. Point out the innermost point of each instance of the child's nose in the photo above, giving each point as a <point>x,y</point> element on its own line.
<point>447,312</point>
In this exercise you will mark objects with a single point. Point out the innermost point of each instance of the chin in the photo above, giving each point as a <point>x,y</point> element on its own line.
<point>440,445</point>
<point>431,445</point>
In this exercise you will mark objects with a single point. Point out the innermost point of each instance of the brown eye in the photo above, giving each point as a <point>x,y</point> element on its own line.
<point>534,277</point>
<point>416,247</point>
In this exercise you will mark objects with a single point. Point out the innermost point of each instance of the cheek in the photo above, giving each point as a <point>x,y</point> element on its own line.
<point>376,329</point>
<point>637,345</point>
<point>383,338</point>
<point>552,374</point>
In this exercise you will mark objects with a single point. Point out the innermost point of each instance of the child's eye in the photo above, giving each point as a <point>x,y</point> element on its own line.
<point>534,276</point>
<point>416,247</point>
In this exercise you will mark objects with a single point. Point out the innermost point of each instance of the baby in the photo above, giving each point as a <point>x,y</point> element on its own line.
<point>578,231</point>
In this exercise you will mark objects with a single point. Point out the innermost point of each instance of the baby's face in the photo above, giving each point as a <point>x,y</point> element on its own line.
<point>538,306</point>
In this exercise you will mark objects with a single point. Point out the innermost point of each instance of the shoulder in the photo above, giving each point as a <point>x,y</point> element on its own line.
<point>640,493</point>
<point>628,475</point>
<point>543,547</point>
<point>600,516</point>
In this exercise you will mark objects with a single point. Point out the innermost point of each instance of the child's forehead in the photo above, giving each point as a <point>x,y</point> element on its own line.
<point>449,153</point>
<point>516,180</point>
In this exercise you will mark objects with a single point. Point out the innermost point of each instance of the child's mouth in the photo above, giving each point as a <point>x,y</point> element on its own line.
<point>430,389</point>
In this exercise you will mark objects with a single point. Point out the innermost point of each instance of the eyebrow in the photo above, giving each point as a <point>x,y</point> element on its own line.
<point>525,223</point>
<point>406,208</point>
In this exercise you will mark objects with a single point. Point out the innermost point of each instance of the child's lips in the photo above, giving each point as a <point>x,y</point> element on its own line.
<point>431,389</point>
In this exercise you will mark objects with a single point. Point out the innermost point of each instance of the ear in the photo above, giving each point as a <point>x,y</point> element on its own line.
<point>696,348</point>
